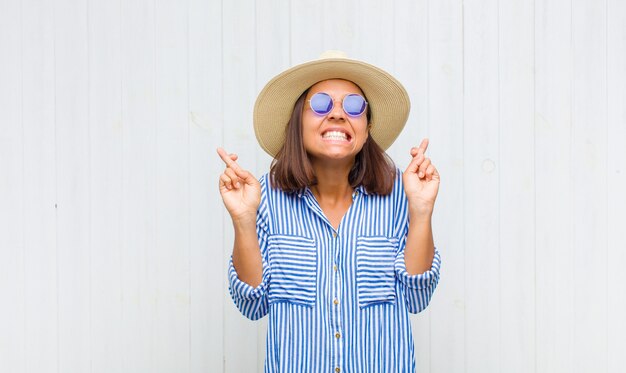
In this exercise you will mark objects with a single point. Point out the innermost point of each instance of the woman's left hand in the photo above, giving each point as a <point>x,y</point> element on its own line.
<point>421,182</point>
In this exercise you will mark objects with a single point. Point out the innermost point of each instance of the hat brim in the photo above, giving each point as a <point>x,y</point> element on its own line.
<point>387,99</point>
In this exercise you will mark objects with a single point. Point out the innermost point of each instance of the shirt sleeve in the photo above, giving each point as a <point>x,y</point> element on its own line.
<point>251,301</point>
<point>419,288</point>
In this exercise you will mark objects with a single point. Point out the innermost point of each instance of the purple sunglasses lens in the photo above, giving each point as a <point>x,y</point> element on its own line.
<point>321,103</point>
<point>354,105</point>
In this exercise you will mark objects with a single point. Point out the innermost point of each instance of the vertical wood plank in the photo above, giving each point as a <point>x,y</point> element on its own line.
<point>517,186</point>
<point>446,128</point>
<point>73,184</point>
<point>554,190</point>
<point>139,197</point>
<point>172,187</point>
<point>482,188</point>
<point>306,42</point>
<point>41,332</point>
<point>372,29</point>
<point>241,346</point>
<point>105,119</point>
<point>616,184</point>
<point>11,142</point>
<point>411,69</point>
<point>12,227</point>
<point>206,257</point>
<point>341,35</point>
<point>589,180</point>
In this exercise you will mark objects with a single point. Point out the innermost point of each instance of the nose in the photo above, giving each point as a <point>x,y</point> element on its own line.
<point>337,112</point>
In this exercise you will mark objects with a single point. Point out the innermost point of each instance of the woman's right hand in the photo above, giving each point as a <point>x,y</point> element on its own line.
<point>240,190</point>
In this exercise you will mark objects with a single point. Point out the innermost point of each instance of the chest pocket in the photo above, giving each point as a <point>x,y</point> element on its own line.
<point>293,263</point>
<point>375,275</point>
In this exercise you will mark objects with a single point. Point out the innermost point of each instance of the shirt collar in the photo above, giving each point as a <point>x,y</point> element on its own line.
<point>307,191</point>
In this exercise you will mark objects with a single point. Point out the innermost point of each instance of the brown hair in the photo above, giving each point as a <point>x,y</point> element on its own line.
<point>291,169</point>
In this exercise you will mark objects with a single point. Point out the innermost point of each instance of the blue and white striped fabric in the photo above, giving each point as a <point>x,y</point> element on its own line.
<point>337,300</point>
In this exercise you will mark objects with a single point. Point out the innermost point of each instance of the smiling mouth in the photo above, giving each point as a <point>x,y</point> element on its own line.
<point>336,136</point>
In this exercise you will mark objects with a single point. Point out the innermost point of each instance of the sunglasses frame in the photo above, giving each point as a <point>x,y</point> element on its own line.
<point>332,101</point>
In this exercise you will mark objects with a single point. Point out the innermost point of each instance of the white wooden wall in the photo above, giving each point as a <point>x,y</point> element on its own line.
<point>113,238</point>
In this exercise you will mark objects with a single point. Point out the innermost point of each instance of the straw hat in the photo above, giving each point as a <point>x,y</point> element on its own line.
<point>387,99</point>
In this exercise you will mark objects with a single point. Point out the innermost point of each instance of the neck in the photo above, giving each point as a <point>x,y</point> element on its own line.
<point>332,183</point>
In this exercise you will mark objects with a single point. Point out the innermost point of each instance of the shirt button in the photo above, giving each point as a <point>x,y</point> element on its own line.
<point>337,369</point>
<point>337,335</point>
<point>335,268</point>
<point>334,235</point>
<point>336,301</point>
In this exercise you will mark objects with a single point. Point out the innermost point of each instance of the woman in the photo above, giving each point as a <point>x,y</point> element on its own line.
<point>335,243</point>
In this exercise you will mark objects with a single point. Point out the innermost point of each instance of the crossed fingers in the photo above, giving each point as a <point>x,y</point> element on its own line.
<point>420,164</point>
<point>233,173</point>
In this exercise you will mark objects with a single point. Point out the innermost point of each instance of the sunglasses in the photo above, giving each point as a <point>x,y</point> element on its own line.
<point>353,104</point>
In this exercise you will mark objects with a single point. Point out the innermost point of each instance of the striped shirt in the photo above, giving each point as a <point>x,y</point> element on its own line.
<point>337,300</point>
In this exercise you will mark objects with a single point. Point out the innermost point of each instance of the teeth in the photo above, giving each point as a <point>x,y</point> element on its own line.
<point>335,135</point>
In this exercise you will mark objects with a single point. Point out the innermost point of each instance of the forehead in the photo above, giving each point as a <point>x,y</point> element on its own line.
<point>335,87</point>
